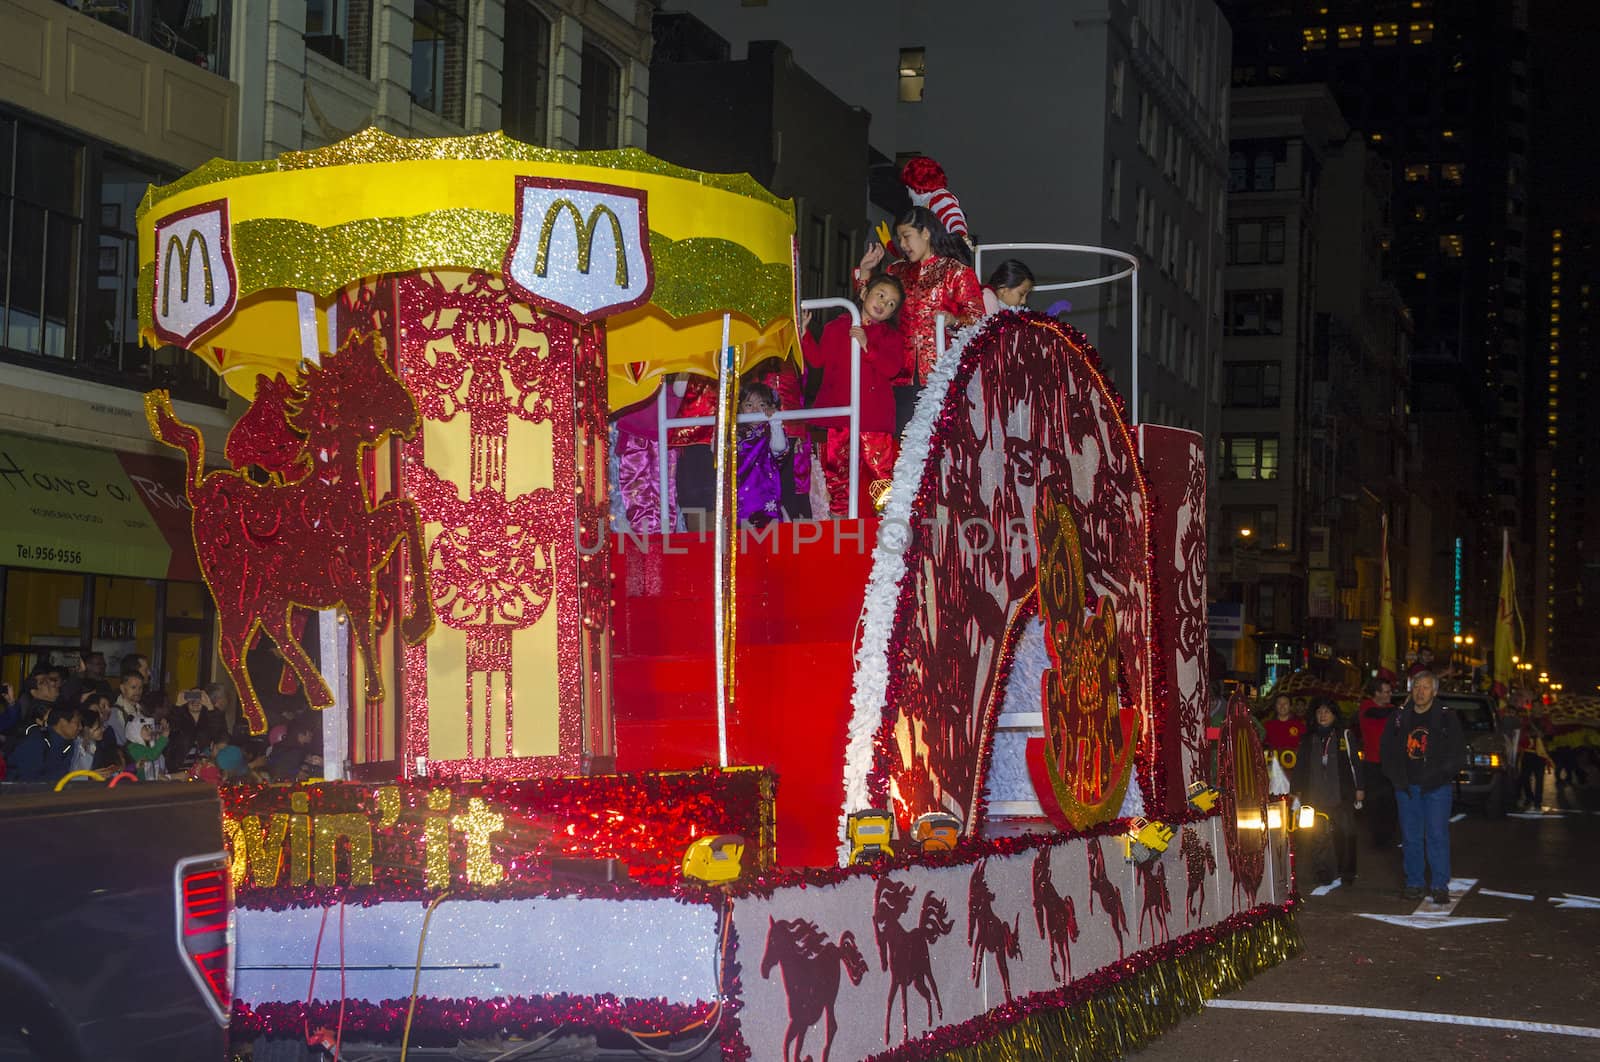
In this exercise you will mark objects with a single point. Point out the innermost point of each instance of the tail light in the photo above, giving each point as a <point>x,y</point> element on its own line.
<point>204,924</point>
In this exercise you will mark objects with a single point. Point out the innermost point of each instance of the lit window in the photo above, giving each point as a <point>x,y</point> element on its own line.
<point>1419,213</point>
<point>1448,134</point>
<point>1421,32</point>
<point>1450,245</point>
<point>913,74</point>
<point>1421,275</point>
<point>1417,173</point>
<point>1385,33</point>
<point>1350,36</point>
<point>1377,138</point>
<point>1314,38</point>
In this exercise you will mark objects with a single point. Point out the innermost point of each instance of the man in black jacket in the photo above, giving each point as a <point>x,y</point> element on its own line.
<point>1423,750</point>
<point>45,753</point>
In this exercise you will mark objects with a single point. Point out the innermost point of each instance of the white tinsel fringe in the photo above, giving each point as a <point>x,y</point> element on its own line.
<point>883,586</point>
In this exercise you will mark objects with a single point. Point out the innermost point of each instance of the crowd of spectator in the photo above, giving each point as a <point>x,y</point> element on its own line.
<point>82,719</point>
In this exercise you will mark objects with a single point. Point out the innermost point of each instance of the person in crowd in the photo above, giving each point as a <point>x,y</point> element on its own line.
<point>90,677</point>
<point>45,752</point>
<point>298,755</point>
<point>1533,754</point>
<point>938,280</point>
<point>638,467</point>
<point>147,745</point>
<point>1376,708</point>
<point>152,698</point>
<point>763,447</point>
<point>1009,287</point>
<point>92,750</point>
<point>882,359</point>
<point>1283,728</point>
<point>195,724</point>
<point>1326,776</point>
<point>1423,749</point>
<point>129,703</point>
<point>783,378</point>
<point>40,693</point>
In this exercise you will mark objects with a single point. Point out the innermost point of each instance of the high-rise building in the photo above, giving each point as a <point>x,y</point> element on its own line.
<point>98,102</point>
<point>1440,89</point>
<point>1308,465</point>
<point>1084,122</point>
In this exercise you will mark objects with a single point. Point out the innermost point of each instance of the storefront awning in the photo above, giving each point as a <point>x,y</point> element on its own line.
<point>81,509</point>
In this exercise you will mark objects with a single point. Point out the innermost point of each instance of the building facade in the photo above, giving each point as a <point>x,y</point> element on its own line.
<point>1312,448</point>
<point>1441,91</point>
<point>97,104</point>
<point>1086,122</point>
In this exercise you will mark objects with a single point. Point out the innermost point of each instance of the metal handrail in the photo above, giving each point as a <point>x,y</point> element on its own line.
<point>853,411</point>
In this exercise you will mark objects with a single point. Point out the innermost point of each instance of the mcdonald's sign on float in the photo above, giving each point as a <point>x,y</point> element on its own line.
<point>578,225</point>
<point>195,280</point>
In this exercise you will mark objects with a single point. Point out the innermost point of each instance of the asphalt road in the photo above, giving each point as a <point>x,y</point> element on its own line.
<point>1537,965</point>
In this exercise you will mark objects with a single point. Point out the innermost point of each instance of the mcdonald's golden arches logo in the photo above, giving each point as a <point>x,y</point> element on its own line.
<point>580,249</point>
<point>196,283</point>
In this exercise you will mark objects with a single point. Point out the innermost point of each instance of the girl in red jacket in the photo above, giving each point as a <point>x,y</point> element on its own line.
<point>938,282</point>
<point>882,360</point>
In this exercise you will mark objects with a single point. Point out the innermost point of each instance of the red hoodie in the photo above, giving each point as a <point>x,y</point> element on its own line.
<point>1372,716</point>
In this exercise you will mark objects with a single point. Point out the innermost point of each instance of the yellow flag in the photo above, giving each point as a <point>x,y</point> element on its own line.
<point>1386,654</point>
<point>1504,646</point>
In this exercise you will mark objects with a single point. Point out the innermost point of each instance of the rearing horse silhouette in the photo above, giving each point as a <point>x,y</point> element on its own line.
<point>315,542</point>
<point>810,965</point>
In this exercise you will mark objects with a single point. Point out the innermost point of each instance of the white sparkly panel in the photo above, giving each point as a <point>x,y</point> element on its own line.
<point>1008,788</point>
<point>641,949</point>
<point>847,950</point>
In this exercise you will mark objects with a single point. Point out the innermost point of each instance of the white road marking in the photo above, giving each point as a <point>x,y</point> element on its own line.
<point>1323,890</point>
<point>1571,900</point>
<point>1506,895</point>
<point>1430,915</point>
<point>1458,816</point>
<point>1409,1015</point>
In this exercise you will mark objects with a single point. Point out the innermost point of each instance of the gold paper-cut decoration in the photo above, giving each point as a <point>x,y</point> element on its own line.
<point>1089,738</point>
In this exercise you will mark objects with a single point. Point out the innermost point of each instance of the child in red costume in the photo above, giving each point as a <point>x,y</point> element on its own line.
<point>882,359</point>
<point>938,281</point>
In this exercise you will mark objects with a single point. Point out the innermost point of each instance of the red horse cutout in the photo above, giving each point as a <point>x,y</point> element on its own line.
<point>315,541</point>
<point>810,965</point>
<point>1056,916</point>
<point>1101,885</point>
<point>988,932</point>
<point>1156,902</point>
<point>904,952</point>
<point>1198,862</point>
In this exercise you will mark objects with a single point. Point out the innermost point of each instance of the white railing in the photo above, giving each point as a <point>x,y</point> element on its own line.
<point>1131,274</point>
<point>853,411</point>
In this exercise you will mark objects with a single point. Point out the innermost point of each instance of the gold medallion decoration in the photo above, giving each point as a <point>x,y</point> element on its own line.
<point>1089,738</point>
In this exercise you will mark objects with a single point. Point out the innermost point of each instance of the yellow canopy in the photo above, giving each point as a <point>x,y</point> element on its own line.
<point>319,221</point>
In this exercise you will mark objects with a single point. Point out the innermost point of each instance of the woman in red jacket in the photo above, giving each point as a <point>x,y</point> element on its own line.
<point>882,359</point>
<point>938,281</point>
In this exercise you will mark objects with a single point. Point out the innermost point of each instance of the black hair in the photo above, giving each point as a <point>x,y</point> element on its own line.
<point>131,662</point>
<point>763,392</point>
<point>88,718</point>
<point>1010,273</point>
<point>944,244</point>
<point>888,280</point>
<point>1319,703</point>
<point>59,713</point>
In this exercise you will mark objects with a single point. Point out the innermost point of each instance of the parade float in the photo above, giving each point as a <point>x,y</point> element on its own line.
<point>927,781</point>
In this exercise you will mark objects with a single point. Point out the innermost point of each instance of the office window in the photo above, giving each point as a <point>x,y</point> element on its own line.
<point>1386,34</point>
<point>439,57</point>
<point>844,265</point>
<point>1119,78</point>
<point>1254,313</point>
<point>1114,188</point>
<point>1253,165</point>
<point>342,31</point>
<point>1452,172</point>
<point>1169,253</point>
<point>1313,38</point>
<point>1190,265</point>
<point>1252,384</point>
<point>913,74</point>
<point>1257,241</point>
<point>1451,245</point>
<point>1141,213</point>
<point>1421,33</point>
<point>525,106</point>
<point>1418,173</point>
<point>41,193</point>
<point>1350,36</point>
<point>1248,456</point>
<point>1261,521</point>
<point>1147,320</point>
<point>599,100</point>
<point>815,248</point>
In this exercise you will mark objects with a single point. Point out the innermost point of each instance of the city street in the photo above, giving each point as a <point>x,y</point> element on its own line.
<point>1516,948</point>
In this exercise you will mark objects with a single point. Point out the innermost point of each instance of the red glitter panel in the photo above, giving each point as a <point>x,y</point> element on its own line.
<point>1175,462</point>
<point>1028,403</point>
<point>469,348</point>
<point>645,821</point>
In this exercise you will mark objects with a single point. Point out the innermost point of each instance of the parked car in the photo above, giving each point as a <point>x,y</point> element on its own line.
<point>1485,780</point>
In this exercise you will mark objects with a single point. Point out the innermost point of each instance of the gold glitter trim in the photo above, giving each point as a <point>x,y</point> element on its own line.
<point>693,276</point>
<point>376,146</point>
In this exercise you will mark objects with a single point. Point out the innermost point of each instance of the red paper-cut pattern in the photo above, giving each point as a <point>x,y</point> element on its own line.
<point>1155,903</point>
<point>988,933</point>
<point>1101,887</point>
<point>1198,863</point>
<point>315,542</point>
<point>499,561</point>
<point>810,964</point>
<point>905,953</point>
<point>1056,915</point>
<point>263,438</point>
<point>1242,774</point>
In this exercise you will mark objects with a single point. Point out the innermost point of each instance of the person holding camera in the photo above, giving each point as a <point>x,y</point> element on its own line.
<point>196,724</point>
